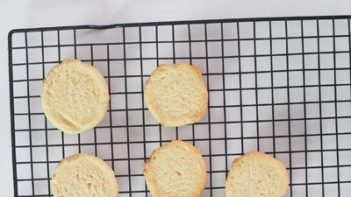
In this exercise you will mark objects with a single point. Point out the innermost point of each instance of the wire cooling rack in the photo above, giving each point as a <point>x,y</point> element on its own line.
<point>279,85</point>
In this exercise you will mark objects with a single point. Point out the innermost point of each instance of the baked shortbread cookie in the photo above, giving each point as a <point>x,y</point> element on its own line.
<point>84,175</point>
<point>176,94</point>
<point>176,170</point>
<point>257,174</point>
<point>75,96</point>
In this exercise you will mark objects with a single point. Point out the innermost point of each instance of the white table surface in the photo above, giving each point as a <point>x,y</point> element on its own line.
<point>38,13</point>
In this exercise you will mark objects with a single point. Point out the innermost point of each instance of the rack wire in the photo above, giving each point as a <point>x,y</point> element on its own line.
<point>278,85</point>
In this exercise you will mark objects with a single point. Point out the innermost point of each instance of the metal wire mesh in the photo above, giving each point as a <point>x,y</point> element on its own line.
<point>279,85</point>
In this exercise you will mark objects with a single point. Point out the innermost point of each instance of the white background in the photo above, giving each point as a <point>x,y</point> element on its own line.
<point>39,13</point>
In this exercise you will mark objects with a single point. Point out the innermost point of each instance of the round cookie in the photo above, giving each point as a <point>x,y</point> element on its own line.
<point>83,175</point>
<point>257,174</point>
<point>176,94</point>
<point>176,170</point>
<point>75,96</point>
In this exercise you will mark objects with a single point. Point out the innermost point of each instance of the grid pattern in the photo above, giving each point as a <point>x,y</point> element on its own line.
<point>279,85</point>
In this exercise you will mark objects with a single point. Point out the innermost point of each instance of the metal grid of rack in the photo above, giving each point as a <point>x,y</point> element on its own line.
<point>278,85</point>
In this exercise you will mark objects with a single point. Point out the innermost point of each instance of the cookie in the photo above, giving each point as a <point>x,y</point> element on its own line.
<point>75,96</point>
<point>176,94</point>
<point>176,169</point>
<point>84,175</point>
<point>257,174</point>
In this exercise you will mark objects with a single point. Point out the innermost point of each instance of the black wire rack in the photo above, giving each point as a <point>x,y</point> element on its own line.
<point>278,85</point>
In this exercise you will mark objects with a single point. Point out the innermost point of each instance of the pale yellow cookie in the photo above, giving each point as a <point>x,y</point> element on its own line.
<point>176,169</point>
<point>75,96</point>
<point>176,94</point>
<point>84,175</point>
<point>256,174</point>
